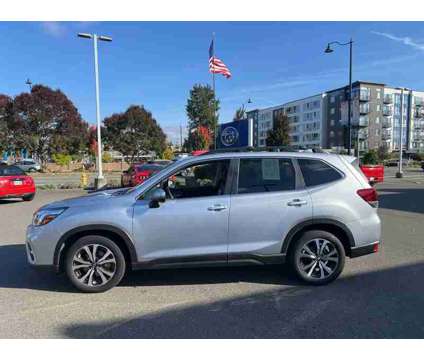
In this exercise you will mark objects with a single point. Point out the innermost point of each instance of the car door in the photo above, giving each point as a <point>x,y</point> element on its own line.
<point>269,200</point>
<point>192,224</point>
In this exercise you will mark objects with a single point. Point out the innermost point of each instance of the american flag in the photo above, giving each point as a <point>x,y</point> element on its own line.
<point>216,66</point>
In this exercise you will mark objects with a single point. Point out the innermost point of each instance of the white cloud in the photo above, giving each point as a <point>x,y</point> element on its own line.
<point>404,40</point>
<point>54,28</point>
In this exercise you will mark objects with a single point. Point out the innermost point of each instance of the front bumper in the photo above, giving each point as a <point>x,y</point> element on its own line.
<point>39,250</point>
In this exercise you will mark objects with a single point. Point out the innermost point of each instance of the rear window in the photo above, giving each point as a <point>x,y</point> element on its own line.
<point>10,171</point>
<point>317,172</point>
<point>266,174</point>
<point>149,167</point>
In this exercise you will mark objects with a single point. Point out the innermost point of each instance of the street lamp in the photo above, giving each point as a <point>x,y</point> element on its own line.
<point>243,106</point>
<point>100,180</point>
<point>329,50</point>
<point>29,83</point>
<point>399,173</point>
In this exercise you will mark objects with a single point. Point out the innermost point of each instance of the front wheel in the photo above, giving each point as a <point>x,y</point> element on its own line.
<point>318,257</point>
<point>94,264</point>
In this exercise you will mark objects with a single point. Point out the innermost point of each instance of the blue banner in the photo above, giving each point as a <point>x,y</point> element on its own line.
<point>234,134</point>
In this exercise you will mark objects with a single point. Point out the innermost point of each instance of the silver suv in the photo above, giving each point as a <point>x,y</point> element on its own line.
<point>311,210</point>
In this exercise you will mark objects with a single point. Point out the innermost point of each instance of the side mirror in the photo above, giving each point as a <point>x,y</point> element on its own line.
<point>158,196</point>
<point>125,172</point>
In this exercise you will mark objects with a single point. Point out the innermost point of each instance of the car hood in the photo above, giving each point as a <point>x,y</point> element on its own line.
<point>86,200</point>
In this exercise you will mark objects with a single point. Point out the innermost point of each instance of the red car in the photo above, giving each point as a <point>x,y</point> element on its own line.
<point>14,183</point>
<point>138,173</point>
<point>374,173</point>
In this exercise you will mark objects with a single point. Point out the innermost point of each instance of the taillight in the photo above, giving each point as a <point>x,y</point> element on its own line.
<point>369,195</point>
<point>3,182</point>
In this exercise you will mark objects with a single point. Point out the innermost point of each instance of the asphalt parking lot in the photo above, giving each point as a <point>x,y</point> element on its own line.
<point>377,296</point>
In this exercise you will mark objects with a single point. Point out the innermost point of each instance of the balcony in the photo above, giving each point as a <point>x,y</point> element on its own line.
<point>364,108</point>
<point>363,135</point>
<point>364,96</point>
<point>419,112</point>
<point>418,125</point>
<point>387,111</point>
<point>386,135</point>
<point>363,121</point>
<point>386,123</point>
<point>419,136</point>
<point>388,99</point>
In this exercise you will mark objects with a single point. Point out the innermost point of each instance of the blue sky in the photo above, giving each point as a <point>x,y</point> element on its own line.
<point>156,63</point>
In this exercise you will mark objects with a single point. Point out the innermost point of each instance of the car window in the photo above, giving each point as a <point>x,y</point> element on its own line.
<point>205,179</point>
<point>317,172</point>
<point>266,174</point>
<point>149,167</point>
<point>10,171</point>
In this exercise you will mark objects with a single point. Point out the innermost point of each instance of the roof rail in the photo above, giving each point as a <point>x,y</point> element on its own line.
<point>266,148</point>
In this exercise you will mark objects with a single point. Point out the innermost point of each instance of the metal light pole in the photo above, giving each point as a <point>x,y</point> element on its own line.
<point>399,174</point>
<point>99,180</point>
<point>349,117</point>
<point>29,83</point>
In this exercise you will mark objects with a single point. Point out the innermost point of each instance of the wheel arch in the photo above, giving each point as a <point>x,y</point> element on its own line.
<point>332,226</point>
<point>120,237</point>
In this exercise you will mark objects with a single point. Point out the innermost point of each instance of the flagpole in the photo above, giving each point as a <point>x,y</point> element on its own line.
<point>213,89</point>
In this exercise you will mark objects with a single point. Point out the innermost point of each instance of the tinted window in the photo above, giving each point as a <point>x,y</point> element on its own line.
<point>149,167</point>
<point>207,179</point>
<point>316,172</point>
<point>262,175</point>
<point>10,171</point>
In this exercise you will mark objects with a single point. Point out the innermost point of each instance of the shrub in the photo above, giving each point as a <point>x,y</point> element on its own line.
<point>62,159</point>
<point>107,157</point>
<point>370,158</point>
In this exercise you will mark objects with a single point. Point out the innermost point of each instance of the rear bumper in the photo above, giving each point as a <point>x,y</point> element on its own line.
<point>364,250</point>
<point>15,194</point>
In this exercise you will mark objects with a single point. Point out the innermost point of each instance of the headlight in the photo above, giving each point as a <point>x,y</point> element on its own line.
<point>44,216</point>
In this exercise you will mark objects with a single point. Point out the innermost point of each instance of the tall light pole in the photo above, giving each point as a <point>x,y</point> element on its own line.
<point>349,117</point>
<point>100,180</point>
<point>243,106</point>
<point>399,173</point>
<point>29,83</point>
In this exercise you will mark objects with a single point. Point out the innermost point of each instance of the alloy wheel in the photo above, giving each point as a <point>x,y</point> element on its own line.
<point>94,265</point>
<point>318,259</point>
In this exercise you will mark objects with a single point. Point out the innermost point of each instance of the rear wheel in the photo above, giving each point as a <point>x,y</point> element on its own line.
<point>94,264</point>
<point>28,197</point>
<point>318,257</point>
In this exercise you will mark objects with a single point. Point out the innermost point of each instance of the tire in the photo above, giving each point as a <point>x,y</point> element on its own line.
<point>28,197</point>
<point>328,265</point>
<point>93,277</point>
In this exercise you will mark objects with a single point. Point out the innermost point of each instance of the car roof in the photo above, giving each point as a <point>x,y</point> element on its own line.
<point>259,154</point>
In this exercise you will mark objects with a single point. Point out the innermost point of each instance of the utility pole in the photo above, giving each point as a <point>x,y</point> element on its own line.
<point>399,174</point>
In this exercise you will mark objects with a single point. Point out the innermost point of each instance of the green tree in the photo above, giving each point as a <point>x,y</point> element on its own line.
<point>202,108</point>
<point>240,114</point>
<point>6,137</point>
<point>134,132</point>
<point>370,157</point>
<point>49,122</point>
<point>168,154</point>
<point>280,134</point>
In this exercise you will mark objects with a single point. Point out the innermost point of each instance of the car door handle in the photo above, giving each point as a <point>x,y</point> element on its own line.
<point>297,202</point>
<point>217,207</point>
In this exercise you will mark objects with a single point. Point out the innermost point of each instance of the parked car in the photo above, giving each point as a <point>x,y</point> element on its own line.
<point>374,173</point>
<point>14,183</point>
<point>28,165</point>
<point>310,210</point>
<point>138,173</point>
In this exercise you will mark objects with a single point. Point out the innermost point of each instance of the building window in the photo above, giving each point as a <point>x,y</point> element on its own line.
<point>332,111</point>
<point>331,134</point>
<point>377,120</point>
<point>378,107</point>
<point>332,123</point>
<point>332,98</point>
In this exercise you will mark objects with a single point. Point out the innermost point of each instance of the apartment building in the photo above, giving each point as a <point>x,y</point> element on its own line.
<point>321,120</point>
<point>305,119</point>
